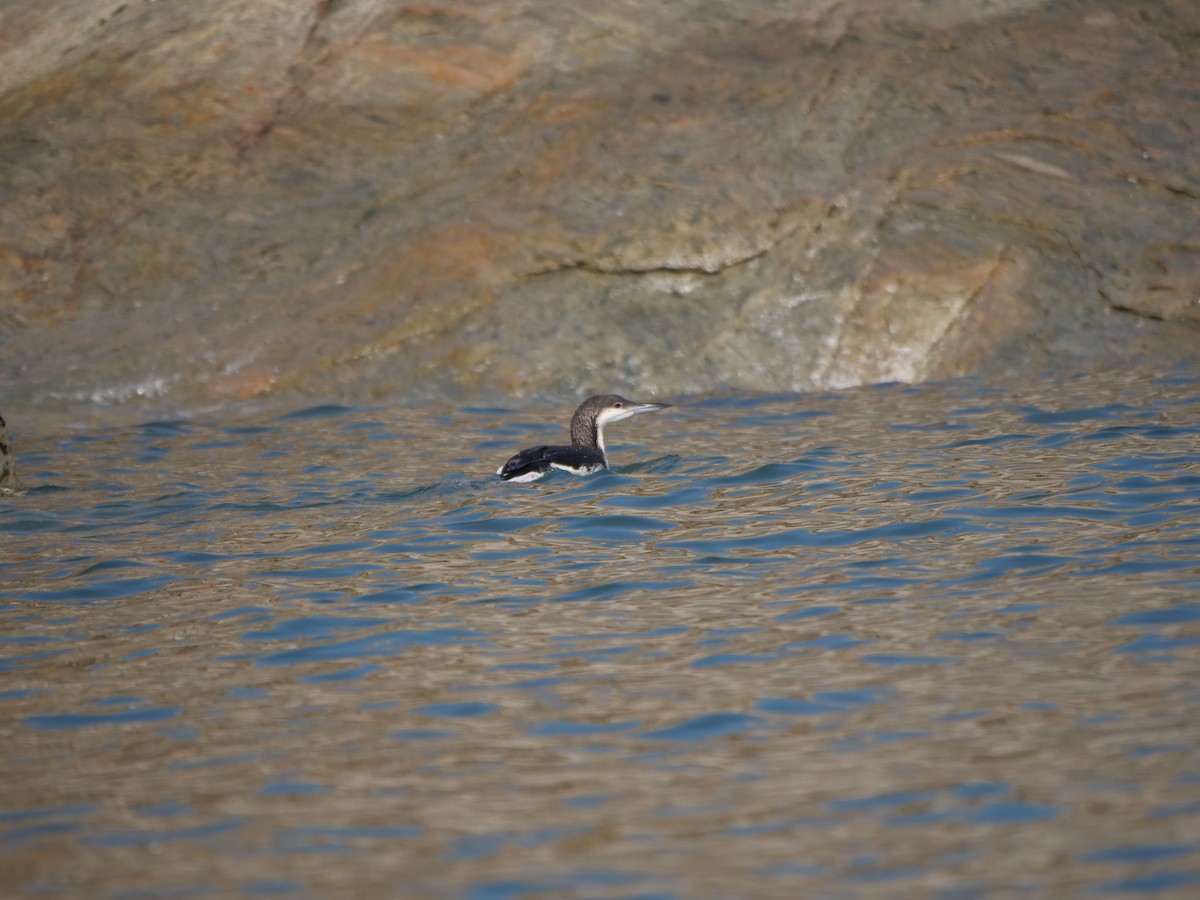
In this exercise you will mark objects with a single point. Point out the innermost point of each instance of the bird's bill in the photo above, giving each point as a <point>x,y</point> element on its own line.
<point>647,407</point>
<point>616,415</point>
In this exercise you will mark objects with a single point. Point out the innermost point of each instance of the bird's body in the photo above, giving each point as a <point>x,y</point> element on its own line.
<point>8,469</point>
<point>585,454</point>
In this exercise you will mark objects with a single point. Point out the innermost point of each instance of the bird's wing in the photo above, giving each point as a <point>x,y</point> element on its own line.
<point>537,461</point>
<point>529,464</point>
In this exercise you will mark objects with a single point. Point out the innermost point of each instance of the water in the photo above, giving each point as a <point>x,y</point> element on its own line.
<point>934,641</point>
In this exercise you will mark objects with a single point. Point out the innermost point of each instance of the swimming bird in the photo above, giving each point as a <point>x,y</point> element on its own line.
<point>8,469</point>
<point>585,454</point>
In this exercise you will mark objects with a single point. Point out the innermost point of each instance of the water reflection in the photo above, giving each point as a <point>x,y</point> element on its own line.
<point>900,640</point>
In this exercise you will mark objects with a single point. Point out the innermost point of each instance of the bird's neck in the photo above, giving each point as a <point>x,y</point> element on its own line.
<point>587,434</point>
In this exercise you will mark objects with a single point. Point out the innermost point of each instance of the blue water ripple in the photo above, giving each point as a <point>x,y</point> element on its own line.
<point>311,627</point>
<point>322,411</point>
<point>463,709</point>
<point>611,589</point>
<point>1142,566</point>
<point>271,887</point>
<point>350,832</point>
<point>581,729</point>
<point>354,673</point>
<point>1011,812</point>
<point>1023,563</point>
<point>1173,615</point>
<point>422,734</point>
<point>882,801</point>
<point>115,589</point>
<point>492,524</point>
<point>809,612</point>
<point>16,663</point>
<point>890,659</point>
<point>373,645</point>
<point>826,642</point>
<point>290,788</point>
<point>1140,853</point>
<point>1151,883</point>
<point>49,812</point>
<point>32,832</point>
<point>706,726</point>
<point>403,594</point>
<point>769,473</point>
<point>1156,643</point>
<point>796,707</point>
<point>1086,414</point>
<point>323,573</point>
<point>86,720</point>
<point>970,636</point>
<point>613,524</point>
<point>161,836</point>
<point>731,659</point>
<point>861,697</point>
<point>799,537</point>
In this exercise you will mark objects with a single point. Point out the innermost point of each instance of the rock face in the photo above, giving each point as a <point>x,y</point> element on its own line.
<point>219,199</point>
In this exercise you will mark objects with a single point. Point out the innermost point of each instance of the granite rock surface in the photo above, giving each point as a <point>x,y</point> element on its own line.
<point>219,199</point>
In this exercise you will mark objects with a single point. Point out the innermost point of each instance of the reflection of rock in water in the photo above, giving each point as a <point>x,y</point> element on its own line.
<point>8,469</point>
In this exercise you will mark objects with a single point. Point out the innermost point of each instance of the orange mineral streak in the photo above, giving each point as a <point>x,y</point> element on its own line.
<point>439,278</point>
<point>465,67</point>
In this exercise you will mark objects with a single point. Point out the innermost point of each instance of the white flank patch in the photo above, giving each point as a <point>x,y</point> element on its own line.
<point>528,476</point>
<point>585,470</point>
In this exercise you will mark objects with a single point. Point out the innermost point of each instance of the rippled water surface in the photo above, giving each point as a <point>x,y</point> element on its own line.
<point>895,641</point>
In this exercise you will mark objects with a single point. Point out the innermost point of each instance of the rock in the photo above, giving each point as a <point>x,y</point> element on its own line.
<point>217,200</point>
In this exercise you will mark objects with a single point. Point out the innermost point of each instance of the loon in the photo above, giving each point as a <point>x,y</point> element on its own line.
<point>585,455</point>
<point>8,469</point>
